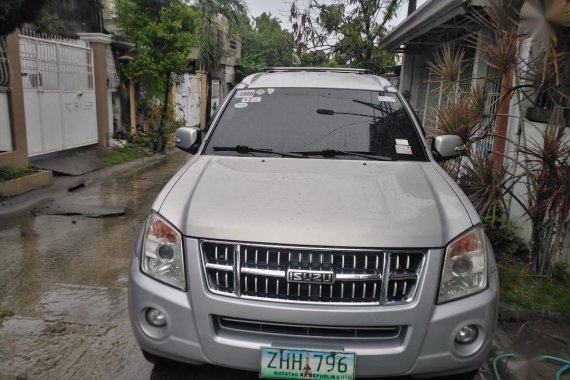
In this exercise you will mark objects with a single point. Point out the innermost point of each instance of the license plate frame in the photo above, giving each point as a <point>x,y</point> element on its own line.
<point>321,366</point>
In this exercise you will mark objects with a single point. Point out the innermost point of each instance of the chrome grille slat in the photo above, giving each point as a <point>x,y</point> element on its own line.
<point>219,267</point>
<point>236,267</point>
<point>361,276</point>
<point>275,328</point>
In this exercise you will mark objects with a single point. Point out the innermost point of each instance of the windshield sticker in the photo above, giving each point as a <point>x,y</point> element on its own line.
<point>260,92</point>
<point>403,149</point>
<point>402,142</point>
<point>245,100</point>
<point>386,99</point>
<point>240,105</point>
<point>270,91</point>
<point>245,94</point>
<point>256,99</point>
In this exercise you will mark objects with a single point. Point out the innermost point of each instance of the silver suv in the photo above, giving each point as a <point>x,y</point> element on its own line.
<point>313,235</point>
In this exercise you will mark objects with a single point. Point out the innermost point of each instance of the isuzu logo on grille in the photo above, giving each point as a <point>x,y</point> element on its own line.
<point>310,276</point>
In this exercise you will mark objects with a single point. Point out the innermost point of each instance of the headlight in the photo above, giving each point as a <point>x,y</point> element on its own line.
<point>162,256</point>
<point>465,266</point>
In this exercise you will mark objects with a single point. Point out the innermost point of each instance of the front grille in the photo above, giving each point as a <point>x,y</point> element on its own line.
<point>363,277</point>
<point>273,328</point>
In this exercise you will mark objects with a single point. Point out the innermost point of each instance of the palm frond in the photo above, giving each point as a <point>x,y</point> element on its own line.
<point>219,17</point>
<point>210,43</point>
<point>446,66</point>
<point>501,18</point>
<point>463,116</point>
<point>483,183</point>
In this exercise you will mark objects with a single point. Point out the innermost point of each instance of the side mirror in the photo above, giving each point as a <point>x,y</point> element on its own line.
<point>188,139</point>
<point>446,147</point>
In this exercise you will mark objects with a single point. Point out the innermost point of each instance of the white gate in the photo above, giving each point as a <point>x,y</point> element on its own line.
<point>59,94</point>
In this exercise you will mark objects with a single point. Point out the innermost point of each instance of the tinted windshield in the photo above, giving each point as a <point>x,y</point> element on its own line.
<point>311,120</point>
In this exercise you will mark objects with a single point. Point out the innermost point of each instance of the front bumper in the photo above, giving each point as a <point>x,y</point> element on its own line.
<point>426,345</point>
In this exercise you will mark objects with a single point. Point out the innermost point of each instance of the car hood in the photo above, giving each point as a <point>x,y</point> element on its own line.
<point>322,202</point>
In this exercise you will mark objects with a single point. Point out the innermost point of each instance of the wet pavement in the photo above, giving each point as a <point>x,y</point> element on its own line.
<point>63,281</point>
<point>63,302</point>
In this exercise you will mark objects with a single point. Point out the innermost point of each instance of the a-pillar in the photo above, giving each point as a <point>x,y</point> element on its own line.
<point>203,76</point>
<point>98,42</point>
<point>19,154</point>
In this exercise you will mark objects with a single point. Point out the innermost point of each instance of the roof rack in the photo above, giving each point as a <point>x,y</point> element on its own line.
<point>318,69</point>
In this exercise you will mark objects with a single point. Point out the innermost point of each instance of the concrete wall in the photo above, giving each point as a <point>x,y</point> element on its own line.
<point>187,98</point>
<point>410,77</point>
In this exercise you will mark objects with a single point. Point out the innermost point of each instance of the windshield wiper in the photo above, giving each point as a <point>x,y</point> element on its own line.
<point>336,152</point>
<point>244,149</point>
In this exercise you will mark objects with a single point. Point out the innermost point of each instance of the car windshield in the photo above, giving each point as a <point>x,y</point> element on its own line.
<point>311,120</point>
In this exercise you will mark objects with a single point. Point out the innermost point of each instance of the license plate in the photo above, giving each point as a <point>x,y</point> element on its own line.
<point>278,363</point>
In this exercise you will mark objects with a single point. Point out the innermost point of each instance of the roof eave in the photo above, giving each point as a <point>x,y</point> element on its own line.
<point>430,15</point>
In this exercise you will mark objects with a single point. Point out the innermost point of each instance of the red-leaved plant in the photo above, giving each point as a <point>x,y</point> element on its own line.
<point>546,168</point>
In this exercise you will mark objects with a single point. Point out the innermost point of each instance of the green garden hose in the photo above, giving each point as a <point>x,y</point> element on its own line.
<point>565,368</point>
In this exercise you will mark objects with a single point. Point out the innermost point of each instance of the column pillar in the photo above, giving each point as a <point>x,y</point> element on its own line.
<point>203,76</point>
<point>98,42</point>
<point>19,154</point>
<point>132,107</point>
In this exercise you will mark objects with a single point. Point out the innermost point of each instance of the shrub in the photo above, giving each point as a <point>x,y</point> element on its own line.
<point>11,172</point>
<point>504,237</point>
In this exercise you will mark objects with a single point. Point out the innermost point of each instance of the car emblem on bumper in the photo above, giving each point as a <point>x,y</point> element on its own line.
<point>310,276</point>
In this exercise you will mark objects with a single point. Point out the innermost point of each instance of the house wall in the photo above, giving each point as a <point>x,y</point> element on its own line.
<point>409,75</point>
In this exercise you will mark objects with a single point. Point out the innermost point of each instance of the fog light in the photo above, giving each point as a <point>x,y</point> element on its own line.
<point>467,334</point>
<point>155,318</point>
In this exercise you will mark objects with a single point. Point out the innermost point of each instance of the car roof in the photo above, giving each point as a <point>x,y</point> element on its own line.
<point>318,77</point>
